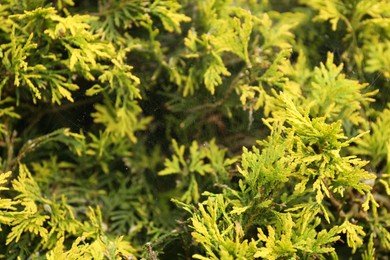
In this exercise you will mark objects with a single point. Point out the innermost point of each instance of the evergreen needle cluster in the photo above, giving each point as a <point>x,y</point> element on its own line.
<point>205,129</point>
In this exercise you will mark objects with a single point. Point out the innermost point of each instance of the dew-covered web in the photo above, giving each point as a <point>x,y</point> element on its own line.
<point>377,76</point>
<point>75,119</point>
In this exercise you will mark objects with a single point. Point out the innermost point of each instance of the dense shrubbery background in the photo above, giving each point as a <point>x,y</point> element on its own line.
<point>177,129</point>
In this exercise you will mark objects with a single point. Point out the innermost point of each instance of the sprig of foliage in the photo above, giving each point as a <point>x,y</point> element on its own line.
<point>302,153</point>
<point>205,160</point>
<point>48,221</point>
<point>266,121</point>
<point>376,145</point>
<point>362,20</point>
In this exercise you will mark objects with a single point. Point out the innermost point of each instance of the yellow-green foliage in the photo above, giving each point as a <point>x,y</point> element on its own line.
<point>49,220</point>
<point>178,129</point>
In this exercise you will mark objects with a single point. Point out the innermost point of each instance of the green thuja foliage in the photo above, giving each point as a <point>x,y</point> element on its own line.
<point>208,161</point>
<point>177,129</point>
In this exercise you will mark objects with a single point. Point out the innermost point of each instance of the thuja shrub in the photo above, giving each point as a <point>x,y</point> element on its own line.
<point>177,129</point>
